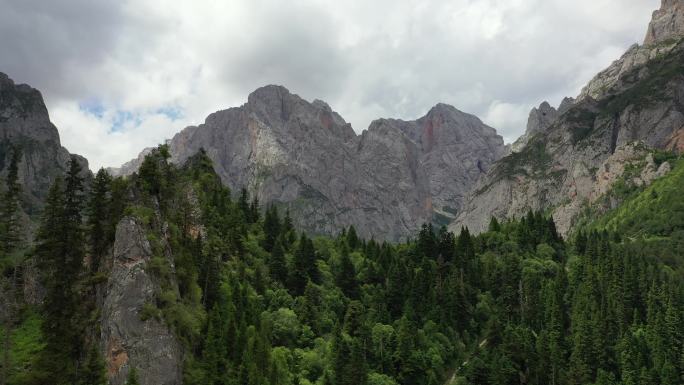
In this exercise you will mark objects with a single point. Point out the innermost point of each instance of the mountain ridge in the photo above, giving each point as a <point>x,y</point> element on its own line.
<point>560,167</point>
<point>305,157</point>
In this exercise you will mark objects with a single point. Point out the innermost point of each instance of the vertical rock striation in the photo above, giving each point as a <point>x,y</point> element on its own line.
<point>639,98</point>
<point>129,337</point>
<point>304,156</point>
<point>25,125</point>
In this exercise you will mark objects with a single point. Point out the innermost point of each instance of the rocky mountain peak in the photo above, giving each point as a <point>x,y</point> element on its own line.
<point>277,107</point>
<point>667,22</point>
<point>638,99</point>
<point>21,101</point>
<point>303,156</point>
<point>25,125</point>
<point>539,120</point>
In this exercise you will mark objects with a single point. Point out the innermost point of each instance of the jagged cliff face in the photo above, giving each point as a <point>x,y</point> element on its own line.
<point>304,156</point>
<point>25,124</point>
<point>562,167</point>
<point>127,337</point>
<point>539,121</point>
<point>667,23</point>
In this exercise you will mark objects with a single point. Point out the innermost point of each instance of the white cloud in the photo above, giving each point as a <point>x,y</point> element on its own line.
<point>508,118</point>
<point>367,59</point>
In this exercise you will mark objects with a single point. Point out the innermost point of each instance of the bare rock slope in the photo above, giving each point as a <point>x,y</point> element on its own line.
<point>303,156</point>
<point>25,125</point>
<point>639,98</point>
<point>127,337</point>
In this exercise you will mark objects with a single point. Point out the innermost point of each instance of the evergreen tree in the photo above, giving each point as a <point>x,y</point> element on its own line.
<point>346,276</point>
<point>243,205</point>
<point>98,211</point>
<point>132,378</point>
<point>93,372</point>
<point>254,212</point>
<point>60,252</point>
<point>271,228</point>
<point>494,225</point>
<point>352,238</point>
<point>277,266</point>
<point>10,229</point>
<point>304,266</point>
<point>10,241</point>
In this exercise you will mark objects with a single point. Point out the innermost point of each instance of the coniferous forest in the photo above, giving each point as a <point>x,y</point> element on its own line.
<point>254,301</point>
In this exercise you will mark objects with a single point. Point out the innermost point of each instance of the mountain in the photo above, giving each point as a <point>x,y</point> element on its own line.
<point>570,158</point>
<point>25,125</point>
<point>304,157</point>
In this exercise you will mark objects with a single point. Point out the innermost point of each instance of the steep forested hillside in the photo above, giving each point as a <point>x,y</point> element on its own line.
<point>249,300</point>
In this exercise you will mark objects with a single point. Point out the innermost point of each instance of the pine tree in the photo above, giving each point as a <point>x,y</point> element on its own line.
<point>271,228</point>
<point>254,210</point>
<point>352,239</point>
<point>93,372</point>
<point>427,242</point>
<point>132,378</point>
<point>345,278</point>
<point>277,265</point>
<point>304,266</point>
<point>10,241</point>
<point>98,210</point>
<point>494,225</point>
<point>9,210</point>
<point>60,252</point>
<point>243,204</point>
<point>446,245</point>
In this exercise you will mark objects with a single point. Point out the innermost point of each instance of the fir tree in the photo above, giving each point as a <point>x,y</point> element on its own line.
<point>271,228</point>
<point>98,211</point>
<point>304,266</point>
<point>10,229</point>
<point>93,372</point>
<point>60,252</point>
<point>10,241</point>
<point>132,378</point>
<point>277,265</point>
<point>345,278</point>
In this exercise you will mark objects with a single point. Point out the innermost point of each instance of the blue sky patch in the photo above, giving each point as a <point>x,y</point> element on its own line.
<point>123,118</point>
<point>173,113</point>
<point>92,107</point>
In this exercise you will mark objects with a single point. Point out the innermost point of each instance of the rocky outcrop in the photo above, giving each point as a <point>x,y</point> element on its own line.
<point>667,23</point>
<point>25,124</point>
<point>540,120</point>
<point>639,98</point>
<point>128,337</point>
<point>303,156</point>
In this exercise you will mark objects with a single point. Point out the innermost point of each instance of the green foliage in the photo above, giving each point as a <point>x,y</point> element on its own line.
<point>657,211</point>
<point>100,234</point>
<point>255,303</point>
<point>60,253</point>
<point>532,161</point>
<point>26,342</point>
<point>132,378</point>
<point>652,83</point>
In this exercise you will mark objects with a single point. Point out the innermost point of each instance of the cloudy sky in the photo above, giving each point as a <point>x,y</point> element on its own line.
<point>118,76</point>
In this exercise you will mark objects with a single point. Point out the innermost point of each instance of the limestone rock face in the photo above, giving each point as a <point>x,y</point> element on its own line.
<point>564,168</point>
<point>667,22</point>
<point>126,338</point>
<point>540,120</point>
<point>303,156</point>
<point>25,124</point>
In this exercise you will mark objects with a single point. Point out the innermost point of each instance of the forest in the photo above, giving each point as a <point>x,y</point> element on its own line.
<point>254,301</point>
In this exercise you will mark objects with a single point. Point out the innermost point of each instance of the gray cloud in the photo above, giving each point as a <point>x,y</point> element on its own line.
<point>46,42</point>
<point>494,58</point>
